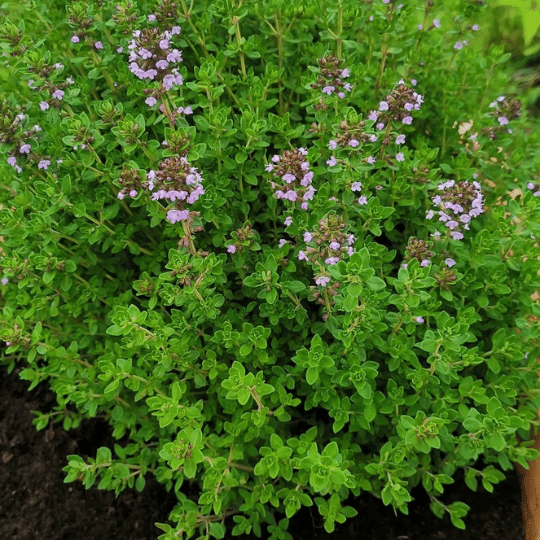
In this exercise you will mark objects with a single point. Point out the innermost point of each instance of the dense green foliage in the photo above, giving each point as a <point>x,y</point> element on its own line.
<point>268,245</point>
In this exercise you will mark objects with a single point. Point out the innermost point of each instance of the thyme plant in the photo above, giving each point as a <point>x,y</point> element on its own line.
<point>272,243</point>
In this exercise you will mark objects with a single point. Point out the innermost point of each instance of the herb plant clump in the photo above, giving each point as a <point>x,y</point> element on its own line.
<point>274,249</point>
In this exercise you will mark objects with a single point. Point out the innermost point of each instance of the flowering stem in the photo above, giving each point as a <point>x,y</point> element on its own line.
<point>152,158</point>
<point>327,302</point>
<point>99,17</point>
<point>339,29</point>
<point>293,297</point>
<point>387,132</point>
<point>384,54</point>
<point>188,234</point>
<point>98,61</point>
<point>187,15</point>
<point>236,24</point>
<point>42,20</point>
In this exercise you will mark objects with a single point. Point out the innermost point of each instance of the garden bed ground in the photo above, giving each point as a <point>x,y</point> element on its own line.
<point>36,504</point>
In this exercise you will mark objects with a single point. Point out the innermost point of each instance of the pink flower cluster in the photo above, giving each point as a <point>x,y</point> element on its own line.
<point>178,182</point>
<point>292,168</point>
<point>465,200</point>
<point>152,55</point>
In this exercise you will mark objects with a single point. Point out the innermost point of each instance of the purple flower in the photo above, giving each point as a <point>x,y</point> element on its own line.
<point>98,45</point>
<point>345,73</point>
<point>162,64</point>
<point>332,260</point>
<point>425,262</point>
<point>449,262</point>
<point>151,101</point>
<point>289,178</point>
<point>380,126</point>
<point>151,18</point>
<point>168,81</point>
<point>177,215</point>
<point>282,242</point>
<point>164,44</point>
<point>322,281</point>
<point>400,156</point>
<point>43,164</point>
<point>371,160</point>
<point>419,319</point>
<point>353,143</point>
<point>334,246</point>
<point>288,220</point>
<point>475,27</point>
<point>120,195</point>
<point>144,54</point>
<point>13,160</point>
<point>231,248</point>
<point>332,145</point>
<point>503,120</point>
<point>4,280</point>
<point>307,237</point>
<point>25,149</point>
<point>308,177</point>
<point>400,139</point>
<point>356,186</point>
<point>328,89</point>
<point>407,120</point>
<point>331,162</point>
<point>291,195</point>
<point>74,39</point>
<point>269,167</point>
<point>43,105</point>
<point>362,200</point>
<point>174,56</point>
<point>436,23</point>
<point>302,256</point>
<point>373,138</point>
<point>383,106</point>
<point>373,116</point>
<point>58,94</point>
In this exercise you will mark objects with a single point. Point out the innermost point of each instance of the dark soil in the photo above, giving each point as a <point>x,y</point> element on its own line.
<point>35,503</point>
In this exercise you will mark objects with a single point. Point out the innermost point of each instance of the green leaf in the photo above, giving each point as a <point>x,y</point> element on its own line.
<point>271,296</point>
<point>245,349</point>
<point>243,396</point>
<point>472,424</point>
<point>295,286</point>
<point>114,330</point>
<point>312,375</point>
<point>103,455</point>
